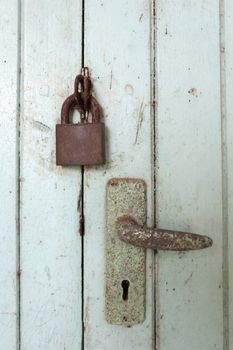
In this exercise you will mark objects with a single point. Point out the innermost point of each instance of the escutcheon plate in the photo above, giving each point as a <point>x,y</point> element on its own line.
<point>125,273</point>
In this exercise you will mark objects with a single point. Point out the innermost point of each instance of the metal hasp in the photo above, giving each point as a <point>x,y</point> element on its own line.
<point>125,273</point>
<point>82,143</point>
<point>131,232</point>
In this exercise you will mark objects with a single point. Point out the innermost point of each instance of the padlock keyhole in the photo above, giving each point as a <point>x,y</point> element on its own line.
<point>125,286</point>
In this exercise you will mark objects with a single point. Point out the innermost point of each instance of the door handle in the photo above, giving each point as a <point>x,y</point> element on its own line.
<point>159,239</point>
<point>125,268</point>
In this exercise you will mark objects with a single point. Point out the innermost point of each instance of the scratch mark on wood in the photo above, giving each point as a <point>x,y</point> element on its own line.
<point>47,270</point>
<point>41,126</point>
<point>110,85</point>
<point>140,120</point>
<point>188,279</point>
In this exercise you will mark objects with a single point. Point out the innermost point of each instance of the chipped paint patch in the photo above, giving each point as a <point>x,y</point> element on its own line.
<point>193,91</point>
<point>129,90</point>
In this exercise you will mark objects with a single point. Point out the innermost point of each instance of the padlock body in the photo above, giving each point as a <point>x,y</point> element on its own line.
<point>80,144</point>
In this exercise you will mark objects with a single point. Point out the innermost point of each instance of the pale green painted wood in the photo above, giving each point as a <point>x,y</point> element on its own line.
<point>227,94</point>
<point>117,49</point>
<point>8,183</point>
<point>189,174</point>
<point>50,242</point>
<point>194,169</point>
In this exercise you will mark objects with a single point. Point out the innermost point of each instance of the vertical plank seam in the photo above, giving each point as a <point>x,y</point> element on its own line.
<point>153,156</point>
<point>83,32</point>
<point>82,230</point>
<point>154,121</point>
<point>82,196</point>
<point>18,173</point>
<point>224,176</point>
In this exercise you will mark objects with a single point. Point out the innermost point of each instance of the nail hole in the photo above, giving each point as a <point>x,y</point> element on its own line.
<point>125,286</point>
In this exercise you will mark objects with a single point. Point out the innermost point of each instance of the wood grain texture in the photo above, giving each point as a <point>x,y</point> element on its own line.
<point>50,242</point>
<point>117,49</point>
<point>9,173</point>
<point>189,173</point>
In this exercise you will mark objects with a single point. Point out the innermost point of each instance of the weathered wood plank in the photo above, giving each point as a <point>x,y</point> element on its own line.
<point>9,173</point>
<point>227,91</point>
<point>117,49</point>
<point>189,179</point>
<point>50,242</point>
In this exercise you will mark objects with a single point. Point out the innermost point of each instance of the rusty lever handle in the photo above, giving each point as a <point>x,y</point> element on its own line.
<point>159,239</point>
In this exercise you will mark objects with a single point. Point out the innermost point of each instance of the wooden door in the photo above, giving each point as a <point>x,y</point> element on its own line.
<point>162,72</point>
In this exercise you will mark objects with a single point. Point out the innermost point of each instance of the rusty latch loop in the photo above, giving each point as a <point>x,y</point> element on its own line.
<point>82,100</point>
<point>159,239</point>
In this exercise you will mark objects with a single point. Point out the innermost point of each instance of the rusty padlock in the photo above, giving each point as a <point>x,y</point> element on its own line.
<point>82,143</point>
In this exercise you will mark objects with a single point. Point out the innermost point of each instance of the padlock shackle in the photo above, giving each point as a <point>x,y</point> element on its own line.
<point>82,100</point>
<point>68,104</point>
<point>71,102</point>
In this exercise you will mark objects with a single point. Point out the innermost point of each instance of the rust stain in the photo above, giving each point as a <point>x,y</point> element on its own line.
<point>18,273</point>
<point>81,213</point>
<point>116,181</point>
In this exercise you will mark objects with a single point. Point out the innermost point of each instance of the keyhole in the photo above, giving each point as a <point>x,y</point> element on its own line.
<point>125,286</point>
